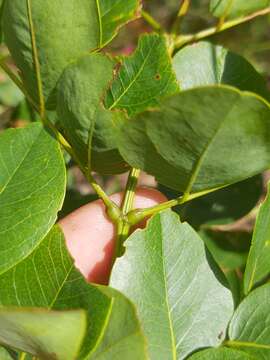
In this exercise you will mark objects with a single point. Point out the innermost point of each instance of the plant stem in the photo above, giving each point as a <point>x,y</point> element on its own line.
<point>130,190</point>
<point>182,40</point>
<point>151,21</point>
<point>138,215</point>
<point>123,225</point>
<point>184,7</point>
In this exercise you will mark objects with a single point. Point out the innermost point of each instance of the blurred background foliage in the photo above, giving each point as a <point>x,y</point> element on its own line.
<point>225,219</point>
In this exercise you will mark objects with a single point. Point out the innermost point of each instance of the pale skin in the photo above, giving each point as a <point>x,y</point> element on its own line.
<point>90,235</point>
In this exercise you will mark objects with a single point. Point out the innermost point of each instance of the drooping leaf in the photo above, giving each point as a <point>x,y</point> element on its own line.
<point>221,354</point>
<point>199,139</point>
<point>228,248</point>
<point>144,78</point>
<point>168,275</point>
<point>249,328</point>
<point>46,334</point>
<point>236,8</point>
<point>225,205</point>
<point>258,263</point>
<point>32,187</point>
<point>64,31</point>
<point>217,65</point>
<point>87,124</point>
<point>47,278</point>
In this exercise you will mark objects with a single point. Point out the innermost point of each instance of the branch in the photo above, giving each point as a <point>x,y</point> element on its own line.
<point>151,21</point>
<point>180,41</point>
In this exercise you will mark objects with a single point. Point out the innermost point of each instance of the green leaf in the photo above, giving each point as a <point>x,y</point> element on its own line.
<point>70,29</point>
<point>123,338</point>
<point>225,205</point>
<point>258,263</point>
<point>87,124</point>
<point>228,248</point>
<point>47,278</point>
<point>180,300</point>
<point>32,188</point>
<point>144,78</point>
<point>236,8</point>
<point>249,327</point>
<point>217,65</point>
<point>221,354</point>
<point>4,355</point>
<point>46,334</point>
<point>199,139</point>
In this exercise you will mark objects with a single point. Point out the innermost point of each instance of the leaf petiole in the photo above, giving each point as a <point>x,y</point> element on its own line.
<point>151,21</point>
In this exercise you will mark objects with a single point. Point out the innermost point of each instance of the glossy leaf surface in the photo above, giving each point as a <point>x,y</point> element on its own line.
<point>236,8</point>
<point>181,302</point>
<point>65,31</point>
<point>217,65</point>
<point>144,77</point>
<point>199,139</point>
<point>258,264</point>
<point>32,187</point>
<point>87,124</point>
<point>249,328</point>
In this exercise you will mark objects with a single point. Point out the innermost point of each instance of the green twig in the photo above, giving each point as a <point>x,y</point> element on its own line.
<point>182,40</point>
<point>184,7</point>
<point>151,21</point>
<point>138,215</point>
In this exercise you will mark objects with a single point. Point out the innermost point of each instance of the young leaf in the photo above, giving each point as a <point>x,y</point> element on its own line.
<point>144,78</point>
<point>166,273</point>
<point>238,8</point>
<point>258,263</point>
<point>217,65</point>
<point>249,328</point>
<point>199,139</point>
<point>46,334</point>
<point>32,188</point>
<point>47,278</point>
<point>221,354</point>
<point>64,32</point>
<point>87,124</point>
